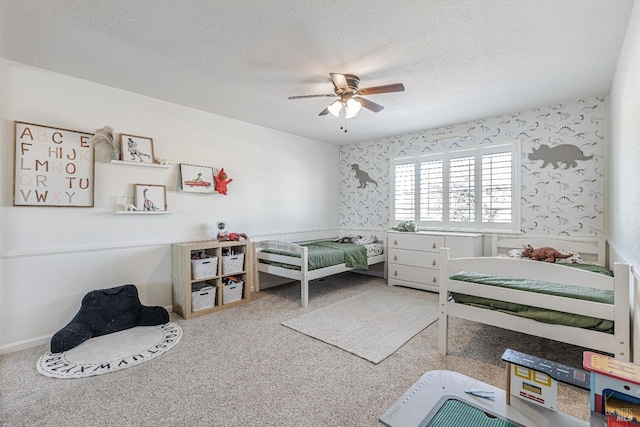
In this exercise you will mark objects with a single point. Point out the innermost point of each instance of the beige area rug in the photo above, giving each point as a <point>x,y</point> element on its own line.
<point>372,325</point>
<point>111,352</point>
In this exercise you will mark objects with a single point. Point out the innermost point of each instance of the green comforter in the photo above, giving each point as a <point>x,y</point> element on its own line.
<point>327,253</point>
<point>535,313</point>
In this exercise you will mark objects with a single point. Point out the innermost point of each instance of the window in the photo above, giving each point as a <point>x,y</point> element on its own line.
<point>467,189</point>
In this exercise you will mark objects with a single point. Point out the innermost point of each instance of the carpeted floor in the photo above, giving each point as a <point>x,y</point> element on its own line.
<point>241,367</point>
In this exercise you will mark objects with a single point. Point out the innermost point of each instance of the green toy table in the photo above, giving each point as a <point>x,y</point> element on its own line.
<point>438,399</point>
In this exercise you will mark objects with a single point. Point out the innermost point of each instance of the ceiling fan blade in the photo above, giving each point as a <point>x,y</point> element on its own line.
<point>311,96</point>
<point>324,112</point>
<point>339,80</point>
<point>369,105</point>
<point>395,87</point>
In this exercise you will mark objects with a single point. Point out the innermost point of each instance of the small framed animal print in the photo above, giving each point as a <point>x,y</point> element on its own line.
<point>150,197</point>
<point>137,149</point>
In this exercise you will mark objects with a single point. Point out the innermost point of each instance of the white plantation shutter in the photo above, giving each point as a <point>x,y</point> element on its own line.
<point>470,189</point>
<point>404,207</point>
<point>497,188</point>
<point>462,189</point>
<point>431,189</point>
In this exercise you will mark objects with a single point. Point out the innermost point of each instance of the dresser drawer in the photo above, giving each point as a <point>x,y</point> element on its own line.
<point>414,274</point>
<point>414,258</point>
<point>417,242</point>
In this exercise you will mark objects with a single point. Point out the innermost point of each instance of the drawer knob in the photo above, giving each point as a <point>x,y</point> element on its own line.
<point>434,279</point>
<point>395,272</point>
<point>433,262</point>
<point>395,242</point>
<point>433,246</point>
<point>395,257</point>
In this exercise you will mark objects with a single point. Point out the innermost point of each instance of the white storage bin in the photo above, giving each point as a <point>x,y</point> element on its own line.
<point>204,298</point>
<point>232,292</point>
<point>232,263</point>
<point>205,267</point>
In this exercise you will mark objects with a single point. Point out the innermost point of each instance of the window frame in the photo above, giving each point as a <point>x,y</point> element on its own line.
<point>445,156</point>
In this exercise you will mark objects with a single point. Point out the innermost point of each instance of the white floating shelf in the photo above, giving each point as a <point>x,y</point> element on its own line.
<point>149,165</point>
<point>143,212</point>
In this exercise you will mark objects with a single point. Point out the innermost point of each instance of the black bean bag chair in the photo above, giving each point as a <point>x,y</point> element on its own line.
<point>105,311</point>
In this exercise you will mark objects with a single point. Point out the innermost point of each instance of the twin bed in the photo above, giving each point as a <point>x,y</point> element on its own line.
<point>575,301</point>
<point>310,261</point>
<point>579,303</point>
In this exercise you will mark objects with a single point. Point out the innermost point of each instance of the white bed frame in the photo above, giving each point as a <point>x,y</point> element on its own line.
<point>304,275</point>
<point>618,344</point>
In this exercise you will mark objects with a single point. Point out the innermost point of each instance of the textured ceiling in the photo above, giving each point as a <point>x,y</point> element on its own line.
<point>458,60</point>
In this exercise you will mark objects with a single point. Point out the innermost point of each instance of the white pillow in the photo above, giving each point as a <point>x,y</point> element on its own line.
<point>515,253</point>
<point>574,258</point>
<point>365,240</point>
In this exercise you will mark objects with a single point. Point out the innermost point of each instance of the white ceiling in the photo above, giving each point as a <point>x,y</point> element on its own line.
<point>458,60</point>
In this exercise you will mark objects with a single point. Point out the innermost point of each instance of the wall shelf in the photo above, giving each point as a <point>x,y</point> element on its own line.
<point>149,165</point>
<point>143,212</point>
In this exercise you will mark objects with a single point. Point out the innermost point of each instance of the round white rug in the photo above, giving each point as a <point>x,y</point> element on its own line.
<point>111,352</point>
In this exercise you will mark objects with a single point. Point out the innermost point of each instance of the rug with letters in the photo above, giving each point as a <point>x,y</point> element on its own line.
<point>111,352</point>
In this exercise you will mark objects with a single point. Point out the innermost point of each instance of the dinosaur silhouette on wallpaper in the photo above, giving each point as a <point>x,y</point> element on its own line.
<point>362,176</point>
<point>564,153</point>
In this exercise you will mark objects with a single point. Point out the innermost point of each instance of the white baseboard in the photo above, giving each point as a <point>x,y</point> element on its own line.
<point>23,345</point>
<point>38,341</point>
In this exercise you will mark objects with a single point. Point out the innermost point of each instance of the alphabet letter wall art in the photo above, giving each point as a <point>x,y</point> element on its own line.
<point>53,167</point>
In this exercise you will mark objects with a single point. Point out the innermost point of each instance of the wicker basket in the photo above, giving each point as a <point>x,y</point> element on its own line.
<point>204,298</point>
<point>205,267</point>
<point>232,263</point>
<point>232,292</point>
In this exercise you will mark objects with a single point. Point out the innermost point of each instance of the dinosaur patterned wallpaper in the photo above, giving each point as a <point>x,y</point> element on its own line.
<point>562,176</point>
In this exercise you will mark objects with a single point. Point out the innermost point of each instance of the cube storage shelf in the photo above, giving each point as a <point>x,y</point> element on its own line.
<point>211,265</point>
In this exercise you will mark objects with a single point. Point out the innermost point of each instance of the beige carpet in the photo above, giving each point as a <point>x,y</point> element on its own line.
<point>372,325</point>
<point>241,367</point>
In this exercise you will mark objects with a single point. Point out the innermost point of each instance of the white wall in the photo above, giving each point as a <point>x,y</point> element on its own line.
<point>623,223</point>
<point>283,186</point>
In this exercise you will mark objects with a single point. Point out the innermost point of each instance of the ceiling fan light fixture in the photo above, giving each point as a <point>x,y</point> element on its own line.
<point>335,108</point>
<point>345,87</point>
<point>352,108</point>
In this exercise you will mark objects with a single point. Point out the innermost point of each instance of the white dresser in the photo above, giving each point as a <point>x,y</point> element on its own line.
<point>414,258</point>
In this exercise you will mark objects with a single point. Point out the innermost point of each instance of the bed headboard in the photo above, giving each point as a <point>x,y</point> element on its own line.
<point>591,249</point>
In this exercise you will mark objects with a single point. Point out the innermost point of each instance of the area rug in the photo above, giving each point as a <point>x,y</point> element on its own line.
<point>372,325</point>
<point>112,352</point>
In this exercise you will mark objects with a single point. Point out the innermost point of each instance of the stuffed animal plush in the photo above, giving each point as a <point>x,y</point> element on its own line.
<point>546,254</point>
<point>221,182</point>
<point>105,311</point>
<point>406,226</point>
<point>241,237</point>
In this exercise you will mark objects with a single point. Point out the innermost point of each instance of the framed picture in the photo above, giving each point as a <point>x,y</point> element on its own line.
<point>137,149</point>
<point>150,197</point>
<point>196,179</point>
<point>52,167</point>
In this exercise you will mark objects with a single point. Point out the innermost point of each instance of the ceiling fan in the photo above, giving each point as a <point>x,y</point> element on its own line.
<point>345,87</point>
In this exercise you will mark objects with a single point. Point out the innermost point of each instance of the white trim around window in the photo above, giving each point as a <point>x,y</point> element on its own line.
<point>470,189</point>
